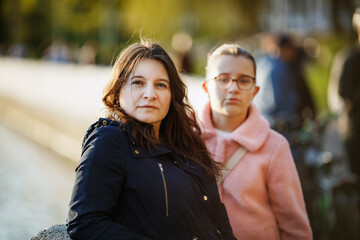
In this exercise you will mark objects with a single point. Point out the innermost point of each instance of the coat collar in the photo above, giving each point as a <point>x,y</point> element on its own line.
<point>136,149</point>
<point>251,134</point>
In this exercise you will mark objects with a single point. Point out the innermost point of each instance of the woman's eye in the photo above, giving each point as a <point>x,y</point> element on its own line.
<point>244,81</point>
<point>161,85</point>
<point>137,82</point>
<point>222,79</point>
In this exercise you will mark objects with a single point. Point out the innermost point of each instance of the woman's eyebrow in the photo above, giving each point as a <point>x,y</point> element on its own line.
<point>137,76</point>
<point>142,77</point>
<point>241,75</point>
<point>164,79</point>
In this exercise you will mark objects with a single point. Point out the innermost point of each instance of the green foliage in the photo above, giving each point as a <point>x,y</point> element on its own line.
<point>211,19</point>
<point>37,23</point>
<point>113,23</point>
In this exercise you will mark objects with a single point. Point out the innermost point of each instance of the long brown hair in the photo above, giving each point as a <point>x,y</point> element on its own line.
<point>179,129</point>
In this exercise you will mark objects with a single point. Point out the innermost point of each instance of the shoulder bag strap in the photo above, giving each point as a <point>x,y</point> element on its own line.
<point>234,159</point>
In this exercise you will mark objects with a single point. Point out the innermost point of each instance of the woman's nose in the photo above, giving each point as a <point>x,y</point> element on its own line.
<point>149,92</point>
<point>234,86</point>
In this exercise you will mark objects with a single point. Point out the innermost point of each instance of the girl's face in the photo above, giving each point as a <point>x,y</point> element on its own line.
<point>146,95</point>
<point>233,101</point>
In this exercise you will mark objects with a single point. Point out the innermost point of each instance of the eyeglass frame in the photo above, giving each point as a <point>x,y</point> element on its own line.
<point>234,80</point>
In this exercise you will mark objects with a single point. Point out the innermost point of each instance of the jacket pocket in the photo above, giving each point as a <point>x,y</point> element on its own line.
<point>165,189</point>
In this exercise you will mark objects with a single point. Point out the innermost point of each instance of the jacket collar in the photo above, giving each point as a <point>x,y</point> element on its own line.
<point>137,149</point>
<point>251,134</point>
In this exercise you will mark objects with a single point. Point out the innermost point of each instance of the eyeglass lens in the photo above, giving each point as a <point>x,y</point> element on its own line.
<point>225,82</point>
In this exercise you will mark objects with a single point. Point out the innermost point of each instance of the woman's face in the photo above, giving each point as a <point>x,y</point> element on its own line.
<point>233,101</point>
<point>146,95</point>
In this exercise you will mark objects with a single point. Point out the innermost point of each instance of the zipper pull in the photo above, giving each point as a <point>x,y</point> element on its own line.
<point>161,167</point>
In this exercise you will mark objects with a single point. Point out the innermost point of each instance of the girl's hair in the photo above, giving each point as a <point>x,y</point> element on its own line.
<point>231,49</point>
<point>179,129</point>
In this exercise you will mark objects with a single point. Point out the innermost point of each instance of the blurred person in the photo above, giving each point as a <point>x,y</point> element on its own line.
<point>58,51</point>
<point>344,96</point>
<point>269,46</point>
<point>4,48</point>
<point>261,190</point>
<point>18,50</point>
<point>285,98</point>
<point>87,53</point>
<point>306,108</point>
<point>144,171</point>
<point>182,43</point>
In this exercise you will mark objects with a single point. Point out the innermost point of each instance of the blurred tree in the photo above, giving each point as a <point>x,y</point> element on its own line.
<point>110,32</point>
<point>248,15</point>
<point>210,18</point>
<point>157,18</point>
<point>37,23</point>
<point>74,20</point>
<point>341,13</point>
<point>13,23</point>
<point>3,25</point>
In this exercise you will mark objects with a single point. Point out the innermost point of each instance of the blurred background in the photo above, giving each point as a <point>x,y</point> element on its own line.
<point>56,56</point>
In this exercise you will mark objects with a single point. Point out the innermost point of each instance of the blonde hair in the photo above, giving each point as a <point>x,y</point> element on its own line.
<point>231,49</point>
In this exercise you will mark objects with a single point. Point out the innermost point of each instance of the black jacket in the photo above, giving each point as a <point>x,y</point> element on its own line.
<point>124,191</point>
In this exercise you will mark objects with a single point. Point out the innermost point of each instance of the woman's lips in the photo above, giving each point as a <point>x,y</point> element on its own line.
<point>232,100</point>
<point>148,107</point>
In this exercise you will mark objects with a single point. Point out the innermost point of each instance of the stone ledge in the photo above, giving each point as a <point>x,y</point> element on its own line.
<point>55,232</point>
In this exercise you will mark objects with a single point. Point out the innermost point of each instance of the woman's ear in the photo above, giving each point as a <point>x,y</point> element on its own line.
<point>205,87</point>
<point>257,88</point>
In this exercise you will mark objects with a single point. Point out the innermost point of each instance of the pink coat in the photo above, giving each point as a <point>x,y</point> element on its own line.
<point>262,194</point>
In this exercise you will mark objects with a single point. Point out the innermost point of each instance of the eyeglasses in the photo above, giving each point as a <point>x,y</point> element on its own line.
<point>243,82</point>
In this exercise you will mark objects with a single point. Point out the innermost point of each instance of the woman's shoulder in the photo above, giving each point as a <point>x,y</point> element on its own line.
<point>105,130</point>
<point>275,139</point>
<point>104,146</point>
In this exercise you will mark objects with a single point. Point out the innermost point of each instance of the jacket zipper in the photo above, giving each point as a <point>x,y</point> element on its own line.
<point>165,188</point>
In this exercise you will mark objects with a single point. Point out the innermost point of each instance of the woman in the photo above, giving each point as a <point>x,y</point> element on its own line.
<point>262,192</point>
<point>144,171</point>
